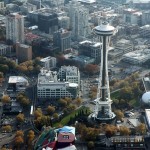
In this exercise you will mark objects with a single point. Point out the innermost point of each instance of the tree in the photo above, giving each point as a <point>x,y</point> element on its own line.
<point>7,128</point>
<point>62,102</point>
<point>20,133</point>
<point>38,113</point>
<point>6,99</point>
<point>30,136</point>
<point>20,117</point>
<point>4,68</point>
<point>141,128</point>
<point>91,69</point>
<point>124,130</point>
<point>126,93</point>
<point>110,130</point>
<point>1,77</point>
<point>78,101</point>
<point>91,145</point>
<point>18,141</point>
<point>22,99</point>
<point>42,121</point>
<point>68,100</point>
<point>89,133</point>
<point>25,101</point>
<point>56,116</point>
<point>119,114</point>
<point>50,109</point>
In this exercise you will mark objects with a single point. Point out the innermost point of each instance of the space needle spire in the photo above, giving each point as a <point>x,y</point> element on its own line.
<point>102,111</point>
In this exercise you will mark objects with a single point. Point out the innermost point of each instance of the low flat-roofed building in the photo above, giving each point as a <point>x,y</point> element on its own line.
<point>17,83</point>
<point>137,57</point>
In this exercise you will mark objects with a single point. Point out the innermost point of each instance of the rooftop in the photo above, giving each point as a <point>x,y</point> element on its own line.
<point>17,79</point>
<point>87,1</point>
<point>46,59</point>
<point>146,27</point>
<point>139,55</point>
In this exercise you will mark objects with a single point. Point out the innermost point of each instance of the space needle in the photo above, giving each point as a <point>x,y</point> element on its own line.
<point>102,111</point>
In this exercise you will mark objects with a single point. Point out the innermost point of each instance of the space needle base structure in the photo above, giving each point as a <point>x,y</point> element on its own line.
<point>102,111</point>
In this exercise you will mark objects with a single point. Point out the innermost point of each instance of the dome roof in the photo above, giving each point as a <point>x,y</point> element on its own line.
<point>146,97</point>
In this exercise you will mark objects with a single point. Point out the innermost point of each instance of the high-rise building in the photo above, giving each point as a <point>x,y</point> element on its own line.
<point>64,22</point>
<point>15,28</point>
<point>23,52</point>
<point>48,22</point>
<point>79,16</point>
<point>62,39</point>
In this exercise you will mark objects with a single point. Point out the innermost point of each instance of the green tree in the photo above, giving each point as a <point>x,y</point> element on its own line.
<point>126,93</point>
<point>56,116</point>
<point>4,68</point>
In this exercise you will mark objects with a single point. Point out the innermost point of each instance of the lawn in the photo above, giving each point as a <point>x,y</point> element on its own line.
<point>115,95</point>
<point>133,102</point>
<point>66,119</point>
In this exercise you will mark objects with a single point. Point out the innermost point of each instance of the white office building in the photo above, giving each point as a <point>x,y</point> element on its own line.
<point>70,74</point>
<point>15,28</point>
<point>48,62</point>
<point>79,17</point>
<point>49,87</point>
